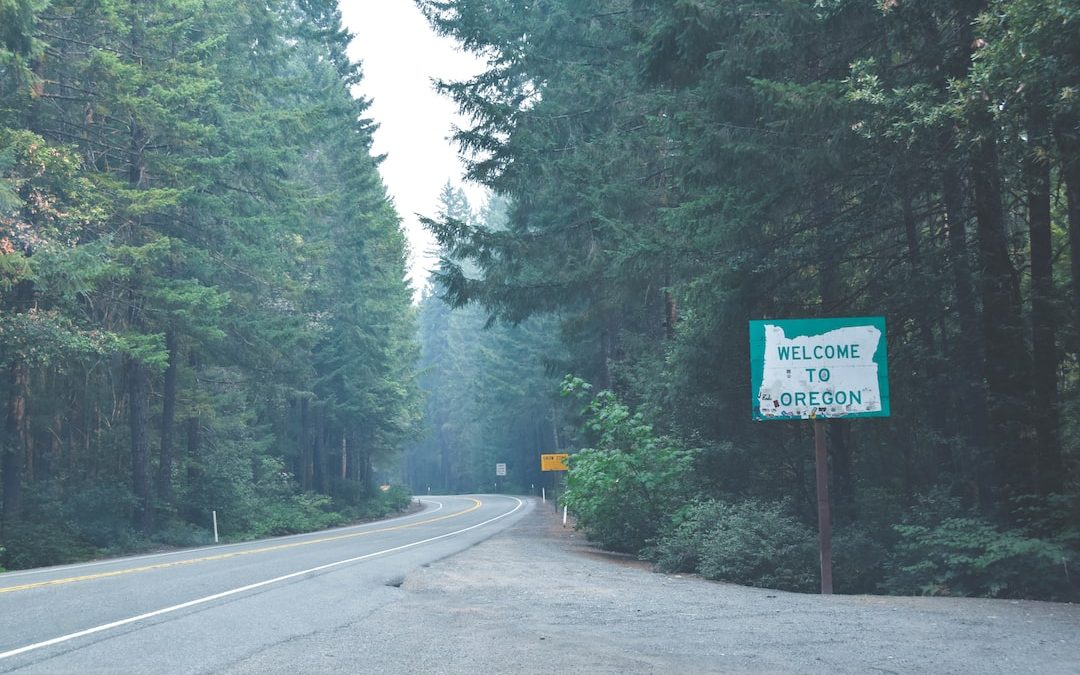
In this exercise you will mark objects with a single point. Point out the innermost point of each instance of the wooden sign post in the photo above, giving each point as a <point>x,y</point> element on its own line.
<point>817,369</point>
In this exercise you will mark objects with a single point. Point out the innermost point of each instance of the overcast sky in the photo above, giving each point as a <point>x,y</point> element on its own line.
<point>400,55</point>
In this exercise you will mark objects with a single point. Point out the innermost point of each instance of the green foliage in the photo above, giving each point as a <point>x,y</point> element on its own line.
<point>676,169</point>
<point>44,542</point>
<point>488,388</point>
<point>859,559</point>
<point>679,547</point>
<point>969,556</point>
<point>17,34</point>
<point>56,533</point>
<point>1055,517</point>
<point>752,542</point>
<point>99,513</point>
<point>295,513</point>
<point>50,339</point>
<point>203,306</point>
<point>386,502</point>
<point>622,491</point>
<point>756,543</point>
<point>201,275</point>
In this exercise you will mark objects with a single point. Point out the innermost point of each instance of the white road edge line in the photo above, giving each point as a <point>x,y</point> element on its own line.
<point>241,589</point>
<point>219,547</point>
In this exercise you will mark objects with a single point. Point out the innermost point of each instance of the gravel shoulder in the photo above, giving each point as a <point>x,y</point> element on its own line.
<point>536,598</point>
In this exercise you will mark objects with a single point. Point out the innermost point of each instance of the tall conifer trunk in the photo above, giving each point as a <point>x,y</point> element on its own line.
<point>1008,363</point>
<point>13,450</point>
<point>1067,135</point>
<point>306,448</point>
<point>936,415</point>
<point>11,461</point>
<point>969,345</point>
<point>344,456</point>
<point>671,309</point>
<point>444,455</point>
<point>143,517</point>
<point>168,415</point>
<point>318,458</point>
<point>914,249</point>
<point>966,345</point>
<point>605,357</point>
<point>1043,325</point>
<point>193,434</point>
<point>367,473</point>
<point>957,248</point>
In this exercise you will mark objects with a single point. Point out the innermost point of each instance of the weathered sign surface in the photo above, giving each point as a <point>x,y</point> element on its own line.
<point>803,368</point>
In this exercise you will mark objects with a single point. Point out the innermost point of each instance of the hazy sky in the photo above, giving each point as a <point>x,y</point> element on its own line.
<point>400,55</point>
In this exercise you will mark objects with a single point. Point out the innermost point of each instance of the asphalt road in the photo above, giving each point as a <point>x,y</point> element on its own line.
<point>216,608</point>
<point>488,584</point>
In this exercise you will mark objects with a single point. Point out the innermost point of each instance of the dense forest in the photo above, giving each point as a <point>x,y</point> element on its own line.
<point>202,295</point>
<point>674,170</point>
<point>491,395</point>
<point>203,306</point>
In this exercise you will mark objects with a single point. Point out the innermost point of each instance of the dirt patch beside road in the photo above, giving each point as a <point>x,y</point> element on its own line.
<point>535,599</point>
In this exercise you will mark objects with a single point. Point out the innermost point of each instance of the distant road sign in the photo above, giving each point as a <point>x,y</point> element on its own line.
<point>807,368</point>
<point>554,462</point>
<point>500,469</point>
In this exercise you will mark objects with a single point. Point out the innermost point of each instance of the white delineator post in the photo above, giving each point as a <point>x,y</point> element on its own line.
<point>214,514</point>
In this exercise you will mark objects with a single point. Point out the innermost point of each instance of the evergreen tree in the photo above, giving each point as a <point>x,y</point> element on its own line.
<point>195,236</point>
<point>678,169</point>
<point>488,387</point>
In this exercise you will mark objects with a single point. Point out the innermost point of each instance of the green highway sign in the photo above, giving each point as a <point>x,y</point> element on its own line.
<point>810,368</point>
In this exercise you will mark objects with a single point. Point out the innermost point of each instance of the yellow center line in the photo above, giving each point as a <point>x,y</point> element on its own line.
<point>232,554</point>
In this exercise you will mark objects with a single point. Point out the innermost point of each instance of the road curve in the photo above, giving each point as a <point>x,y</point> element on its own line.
<point>202,610</point>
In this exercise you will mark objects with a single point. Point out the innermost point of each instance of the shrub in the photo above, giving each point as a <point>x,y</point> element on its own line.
<point>175,532</point>
<point>303,512</point>
<point>679,550</point>
<point>621,499</point>
<point>858,560</point>
<point>37,544</point>
<point>1055,517</point>
<point>625,489</point>
<point>101,514</point>
<point>969,556</point>
<point>752,543</point>
<point>396,498</point>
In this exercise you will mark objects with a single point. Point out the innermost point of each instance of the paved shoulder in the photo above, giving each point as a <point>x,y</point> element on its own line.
<point>527,600</point>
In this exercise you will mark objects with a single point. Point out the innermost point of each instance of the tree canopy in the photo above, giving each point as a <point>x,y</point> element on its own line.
<point>676,169</point>
<point>201,276</point>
